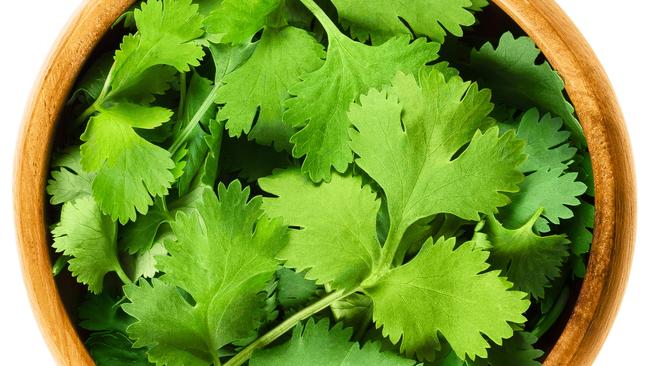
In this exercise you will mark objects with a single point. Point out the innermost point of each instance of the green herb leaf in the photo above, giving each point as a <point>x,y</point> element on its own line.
<point>257,90</point>
<point>70,181</point>
<point>316,344</point>
<point>529,84</point>
<point>351,68</point>
<point>342,257</point>
<point>530,261</point>
<point>294,290</point>
<point>89,238</point>
<point>406,141</point>
<point>516,351</point>
<point>234,21</point>
<point>226,304</point>
<point>549,189</point>
<point>130,170</point>
<point>381,19</point>
<point>446,291</point>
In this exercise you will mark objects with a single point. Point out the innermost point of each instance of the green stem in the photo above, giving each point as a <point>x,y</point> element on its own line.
<point>331,28</point>
<point>390,248</point>
<point>122,275</point>
<point>187,130</point>
<point>547,321</point>
<point>100,98</point>
<point>181,105</point>
<point>285,326</point>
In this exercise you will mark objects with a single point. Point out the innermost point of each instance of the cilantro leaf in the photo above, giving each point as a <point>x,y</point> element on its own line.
<point>344,204</point>
<point>579,230</point>
<point>103,313</point>
<point>439,118</point>
<point>351,68</point>
<point>130,170</point>
<point>167,30</point>
<point>316,344</point>
<point>446,291</point>
<point>516,351</point>
<point>530,261</point>
<point>89,238</point>
<point>546,145</point>
<point>226,305</point>
<point>549,189</point>
<point>381,19</point>
<point>257,90</point>
<point>529,84</point>
<point>234,21</point>
<point>70,181</point>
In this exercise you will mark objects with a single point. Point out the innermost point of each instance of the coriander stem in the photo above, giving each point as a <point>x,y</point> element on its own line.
<point>122,275</point>
<point>324,20</point>
<point>245,354</point>
<point>547,321</point>
<point>100,98</point>
<point>187,131</point>
<point>181,105</point>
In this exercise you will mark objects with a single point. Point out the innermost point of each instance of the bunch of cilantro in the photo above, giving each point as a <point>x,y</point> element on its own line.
<point>291,182</point>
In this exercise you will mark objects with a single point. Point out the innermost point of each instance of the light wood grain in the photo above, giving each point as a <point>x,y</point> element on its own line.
<point>587,86</point>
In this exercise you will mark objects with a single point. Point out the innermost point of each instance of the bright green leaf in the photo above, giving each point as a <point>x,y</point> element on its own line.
<point>336,241</point>
<point>446,291</point>
<point>89,238</point>
<point>257,90</point>
<point>69,182</point>
<point>516,351</point>
<point>236,21</point>
<point>227,304</point>
<point>381,19</point>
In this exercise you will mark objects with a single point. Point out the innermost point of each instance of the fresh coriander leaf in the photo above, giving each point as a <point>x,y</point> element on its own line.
<point>549,189</point>
<point>257,90</point>
<point>146,261</point>
<point>130,170</point>
<point>446,291</point>
<point>208,172</point>
<point>89,238</point>
<point>167,30</point>
<point>379,20</point>
<point>547,146</point>
<point>354,311</point>
<point>317,345</point>
<point>478,5</point>
<point>93,80</point>
<point>235,21</point>
<point>336,242</point>
<point>516,351</point>
<point>294,290</point>
<point>351,68</point>
<point>70,181</point>
<point>225,290</point>
<point>529,84</point>
<point>115,349</point>
<point>228,58</point>
<point>406,141</point>
<point>530,261</point>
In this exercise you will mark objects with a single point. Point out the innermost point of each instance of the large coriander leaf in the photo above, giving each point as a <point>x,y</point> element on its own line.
<point>69,182</point>
<point>257,90</point>
<point>351,68</point>
<point>446,291</point>
<point>130,170</point>
<point>515,77</point>
<point>530,261</point>
<point>381,19</point>
<point>317,345</point>
<point>236,21</point>
<point>406,141</point>
<point>336,238</point>
<point>167,30</point>
<point>231,247</point>
<point>516,351</point>
<point>547,145</point>
<point>89,238</point>
<point>551,190</point>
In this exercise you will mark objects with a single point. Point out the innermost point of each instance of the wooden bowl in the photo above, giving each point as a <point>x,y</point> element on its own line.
<point>565,48</point>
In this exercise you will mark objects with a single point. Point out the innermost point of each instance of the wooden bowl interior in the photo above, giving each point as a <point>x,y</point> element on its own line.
<point>575,339</point>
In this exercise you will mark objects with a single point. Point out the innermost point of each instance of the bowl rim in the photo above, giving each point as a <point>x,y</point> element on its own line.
<point>543,20</point>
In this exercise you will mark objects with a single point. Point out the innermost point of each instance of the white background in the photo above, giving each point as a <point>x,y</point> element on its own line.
<point>616,30</point>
